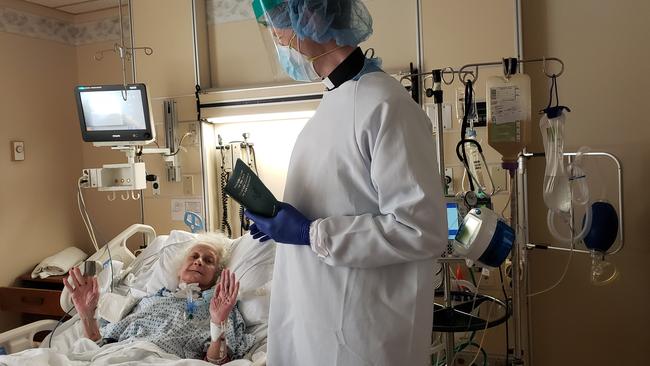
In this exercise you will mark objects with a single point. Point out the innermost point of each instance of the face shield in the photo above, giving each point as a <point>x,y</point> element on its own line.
<point>284,24</point>
<point>275,28</point>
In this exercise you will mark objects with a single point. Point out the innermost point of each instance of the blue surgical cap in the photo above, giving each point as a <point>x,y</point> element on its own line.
<point>348,22</point>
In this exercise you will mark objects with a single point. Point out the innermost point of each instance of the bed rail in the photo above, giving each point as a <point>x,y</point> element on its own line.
<point>22,338</point>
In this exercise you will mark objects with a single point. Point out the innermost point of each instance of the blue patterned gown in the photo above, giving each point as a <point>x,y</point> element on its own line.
<point>162,319</point>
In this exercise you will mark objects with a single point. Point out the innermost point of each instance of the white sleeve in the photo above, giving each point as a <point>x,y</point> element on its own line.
<point>395,138</point>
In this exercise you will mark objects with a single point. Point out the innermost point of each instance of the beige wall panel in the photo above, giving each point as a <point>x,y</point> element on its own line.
<point>239,57</point>
<point>604,47</point>
<point>38,194</point>
<point>393,35</point>
<point>463,31</point>
<point>165,26</point>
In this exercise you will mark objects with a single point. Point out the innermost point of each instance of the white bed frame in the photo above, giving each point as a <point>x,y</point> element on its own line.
<point>22,338</point>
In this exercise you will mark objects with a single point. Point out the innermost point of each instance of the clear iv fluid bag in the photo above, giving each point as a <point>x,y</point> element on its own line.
<point>474,161</point>
<point>508,114</point>
<point>557,193</point>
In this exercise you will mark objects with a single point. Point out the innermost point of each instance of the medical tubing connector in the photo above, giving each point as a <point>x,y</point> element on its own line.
<point>599,269</point>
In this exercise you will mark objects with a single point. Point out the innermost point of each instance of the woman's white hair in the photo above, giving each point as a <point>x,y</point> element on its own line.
<point>219,242</point>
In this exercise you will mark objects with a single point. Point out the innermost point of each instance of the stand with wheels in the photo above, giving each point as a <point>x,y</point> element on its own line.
<point>450,319</point>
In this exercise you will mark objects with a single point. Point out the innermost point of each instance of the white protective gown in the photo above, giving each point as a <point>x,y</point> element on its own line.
<point>366,165</point>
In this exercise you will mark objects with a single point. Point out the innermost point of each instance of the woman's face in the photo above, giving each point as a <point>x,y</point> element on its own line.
<point>200,266</point>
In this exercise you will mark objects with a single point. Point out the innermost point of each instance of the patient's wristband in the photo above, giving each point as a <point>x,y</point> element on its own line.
<point>216,331</point>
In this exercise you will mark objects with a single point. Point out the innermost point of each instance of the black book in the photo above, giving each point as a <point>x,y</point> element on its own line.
<point>245,187</point>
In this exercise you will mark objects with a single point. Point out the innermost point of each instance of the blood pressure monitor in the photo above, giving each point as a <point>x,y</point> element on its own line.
<point>484,238</point>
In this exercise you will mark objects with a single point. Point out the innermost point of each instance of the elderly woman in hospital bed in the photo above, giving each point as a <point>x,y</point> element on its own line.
<point>196,320</point>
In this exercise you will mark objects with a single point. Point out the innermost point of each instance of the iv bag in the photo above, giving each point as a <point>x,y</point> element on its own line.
<point>508,114</point>
<point>557,195</point>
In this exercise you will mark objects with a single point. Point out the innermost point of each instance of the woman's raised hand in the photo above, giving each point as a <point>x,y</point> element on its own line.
<point>85,294</point>
<point>225,297</point>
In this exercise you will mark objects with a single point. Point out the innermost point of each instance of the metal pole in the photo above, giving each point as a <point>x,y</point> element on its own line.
<point>516,262</point>
<point>449,336</point>
<point>522,230</point>
<point>420,46</point>
<point>437,98</point>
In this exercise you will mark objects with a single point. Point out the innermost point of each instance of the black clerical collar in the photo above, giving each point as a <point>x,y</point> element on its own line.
<point>346,70</point>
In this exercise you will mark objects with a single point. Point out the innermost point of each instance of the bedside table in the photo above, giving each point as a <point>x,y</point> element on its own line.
<point>34,298</point>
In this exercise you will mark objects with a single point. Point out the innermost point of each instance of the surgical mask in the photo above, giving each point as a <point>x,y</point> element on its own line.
<point>298,66</point>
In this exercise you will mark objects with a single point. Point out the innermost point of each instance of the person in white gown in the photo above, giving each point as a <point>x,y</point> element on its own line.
<point>363,219</point>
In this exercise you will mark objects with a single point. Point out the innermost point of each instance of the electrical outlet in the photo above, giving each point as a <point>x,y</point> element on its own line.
<point>188,185</point>
<point>17,150</point>
<point>155,187</point>
<point>449,179</point>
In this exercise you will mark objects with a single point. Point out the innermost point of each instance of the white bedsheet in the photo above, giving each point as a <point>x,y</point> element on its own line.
<point>86,352</point>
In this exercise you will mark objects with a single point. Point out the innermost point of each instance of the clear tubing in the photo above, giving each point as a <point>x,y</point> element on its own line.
<point>550,221</point>
<point>578,191</point>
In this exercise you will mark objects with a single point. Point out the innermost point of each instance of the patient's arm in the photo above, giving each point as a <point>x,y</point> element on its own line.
<point>85,296</point>
<point>222,303</point>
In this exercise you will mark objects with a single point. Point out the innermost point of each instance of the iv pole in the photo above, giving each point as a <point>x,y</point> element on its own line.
<point>449,337</point>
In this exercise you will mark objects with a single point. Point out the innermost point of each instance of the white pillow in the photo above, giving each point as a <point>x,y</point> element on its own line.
<point>168,258</point>
<point>252,263</point>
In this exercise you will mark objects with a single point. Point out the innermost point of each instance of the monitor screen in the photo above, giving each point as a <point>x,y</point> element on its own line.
<point>105,116</point>
<point>452,220</point>
<point>468,231</point>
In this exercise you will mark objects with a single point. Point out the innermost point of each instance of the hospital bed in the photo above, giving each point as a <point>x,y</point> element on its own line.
<point>152,269</point>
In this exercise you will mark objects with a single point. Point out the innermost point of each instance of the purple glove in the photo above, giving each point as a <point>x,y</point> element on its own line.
<point>288,226</point>
<point>257,234</point>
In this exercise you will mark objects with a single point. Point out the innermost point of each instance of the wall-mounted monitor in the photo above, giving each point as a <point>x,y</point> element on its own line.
<point>107,119</point>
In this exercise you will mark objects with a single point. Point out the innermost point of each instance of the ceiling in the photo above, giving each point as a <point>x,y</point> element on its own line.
<point>78,6</point>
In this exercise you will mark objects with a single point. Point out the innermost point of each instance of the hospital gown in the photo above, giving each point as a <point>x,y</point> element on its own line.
<point>162,320</point>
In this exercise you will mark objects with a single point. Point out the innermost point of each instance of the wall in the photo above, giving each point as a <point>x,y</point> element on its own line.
<point>166,26</point>
<point>604,45</point>
<point>39,215</point>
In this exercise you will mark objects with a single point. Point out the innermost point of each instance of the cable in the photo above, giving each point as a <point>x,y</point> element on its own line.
<point>84,214</point>
<point>566,267</point>
<point>478,285</point>
<point>225,225</point>
<point>90,226</point>
<point>463,129</point>
<point>67,313</point>
<point>480,345</point>
<point>507,301</point>
<point>506,206</point>
<point>180,144</point>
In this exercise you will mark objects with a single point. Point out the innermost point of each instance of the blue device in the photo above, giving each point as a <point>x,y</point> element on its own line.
<point>452,220</point>
<point>193,221</point>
